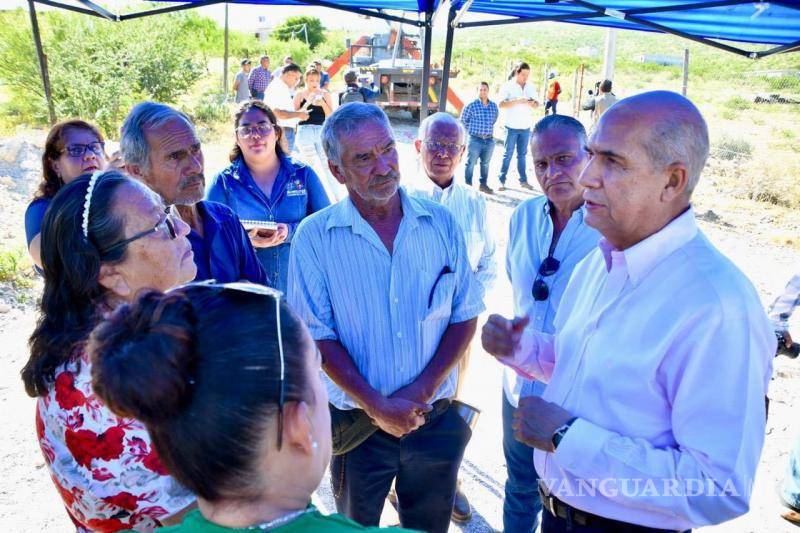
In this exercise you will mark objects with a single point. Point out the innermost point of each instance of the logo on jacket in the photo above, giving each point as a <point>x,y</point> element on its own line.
<point>295,187</point>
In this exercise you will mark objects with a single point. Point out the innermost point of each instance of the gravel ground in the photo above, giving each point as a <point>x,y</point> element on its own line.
<point>743,231</point>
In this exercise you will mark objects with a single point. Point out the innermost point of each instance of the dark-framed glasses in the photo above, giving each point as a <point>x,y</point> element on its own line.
<point>540,290</point>
<point>167,224</point>
<point>77,150</point>
<point>262,290</point>
<point>262,129</point>
<point>449,148</point>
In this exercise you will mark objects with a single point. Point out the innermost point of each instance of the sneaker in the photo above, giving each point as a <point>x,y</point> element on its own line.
<point>502,187</point>
<point>526,185</point>
<point>485,189</point>
<point>462,510</point>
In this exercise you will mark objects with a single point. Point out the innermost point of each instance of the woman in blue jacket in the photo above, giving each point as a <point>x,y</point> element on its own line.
<point>263,184</point>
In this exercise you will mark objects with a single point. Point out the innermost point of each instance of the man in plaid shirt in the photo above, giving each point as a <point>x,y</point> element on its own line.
<point>479,117</point>
<point>259,79</point>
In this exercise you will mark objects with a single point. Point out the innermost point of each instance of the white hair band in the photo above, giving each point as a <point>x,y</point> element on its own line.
<point>88,202</point>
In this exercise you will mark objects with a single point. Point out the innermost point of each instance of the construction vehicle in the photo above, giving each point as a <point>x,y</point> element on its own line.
<point>391,63</point>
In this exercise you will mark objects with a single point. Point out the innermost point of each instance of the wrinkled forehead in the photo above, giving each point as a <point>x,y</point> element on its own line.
<point>370,134</point>
<point>554,141</point>
<point>443,131</point>
<point>174,134</point>
<point>620,131</point>
<point>135,200</point>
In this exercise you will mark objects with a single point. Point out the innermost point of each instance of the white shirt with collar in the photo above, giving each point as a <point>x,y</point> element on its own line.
<point>469,209</point>
<point>529,237</point>
<point>664,353</point>
<point>519,116</point>
<point>279,96</point>
<point>389,311</point>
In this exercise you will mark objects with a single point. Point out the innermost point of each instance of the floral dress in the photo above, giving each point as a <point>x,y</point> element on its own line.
<point>104,467</point>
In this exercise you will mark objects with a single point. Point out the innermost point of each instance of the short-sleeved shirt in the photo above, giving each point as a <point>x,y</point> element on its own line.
<point>296,193</point>
<point>224,252</point>
<point>520,116</point>
<point>243,92</point>
<point>33,217</point>
<point>279,96</point>
<point>104,467</point>
<point>603,102</point>
<point>389,311</point>
<point>312,521</point>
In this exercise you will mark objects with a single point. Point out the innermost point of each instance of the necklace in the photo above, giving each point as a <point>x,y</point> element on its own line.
<point>281,520</point>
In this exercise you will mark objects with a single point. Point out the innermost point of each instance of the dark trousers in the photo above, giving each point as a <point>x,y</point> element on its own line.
<point>479,149</point>
<point>425,464</point>
<point>515,140</point>
<point>551,104</point>
<point>521,504</point>
<point>556,524</point>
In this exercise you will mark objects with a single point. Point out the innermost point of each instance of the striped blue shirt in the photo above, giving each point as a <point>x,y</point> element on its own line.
<point>530,235</point>
<point>479,119</point>
<point>388,311</point>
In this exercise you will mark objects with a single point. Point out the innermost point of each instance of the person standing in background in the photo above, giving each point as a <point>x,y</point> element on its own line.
<point>241,83</point>
<point>518,98</point>
<point>553,90</point>
<point>260,79</point>
<point>479,117</point>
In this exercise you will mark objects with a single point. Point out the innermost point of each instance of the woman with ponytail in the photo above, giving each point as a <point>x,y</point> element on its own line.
<point>104,238</point>
<point>235,408</point>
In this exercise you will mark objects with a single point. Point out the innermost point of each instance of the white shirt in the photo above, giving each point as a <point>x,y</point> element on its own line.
<point>529,237</point>
<point>518,116</point>
<point>279,96</point>
<point>469,209</point>
<point>664,353</point>
<point>388,311</point>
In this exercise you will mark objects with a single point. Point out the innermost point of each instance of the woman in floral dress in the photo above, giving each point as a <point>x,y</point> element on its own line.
<point>104,238</point>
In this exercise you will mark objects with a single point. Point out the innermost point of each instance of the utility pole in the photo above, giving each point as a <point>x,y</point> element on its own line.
<point>42,62</point>
<point>225,61</point>
<point>611,54</point>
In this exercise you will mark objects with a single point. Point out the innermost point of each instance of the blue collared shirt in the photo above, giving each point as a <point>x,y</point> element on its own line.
<point>297,193</point>
<point>479,119</point>
<point>530,235</point>
<point>389,311</point>
<point>224,252</point>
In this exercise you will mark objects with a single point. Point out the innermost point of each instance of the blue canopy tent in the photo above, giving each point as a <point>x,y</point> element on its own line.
<point>706,21</point>
<point>703,21</point>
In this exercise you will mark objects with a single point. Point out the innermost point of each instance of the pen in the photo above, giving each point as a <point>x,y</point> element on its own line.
<point>445,270</point>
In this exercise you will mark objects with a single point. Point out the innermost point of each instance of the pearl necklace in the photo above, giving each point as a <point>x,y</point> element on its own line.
<point>281,520</point>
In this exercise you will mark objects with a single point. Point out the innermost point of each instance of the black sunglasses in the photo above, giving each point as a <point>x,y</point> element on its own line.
<point>173,234</point>
<point>549,266</point>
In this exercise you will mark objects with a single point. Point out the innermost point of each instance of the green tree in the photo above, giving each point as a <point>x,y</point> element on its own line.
<point>298,28</point>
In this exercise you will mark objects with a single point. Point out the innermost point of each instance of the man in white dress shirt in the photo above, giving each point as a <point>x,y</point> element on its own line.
<point>653,417</point>
<point>440,143</point>
<point>383,282</point>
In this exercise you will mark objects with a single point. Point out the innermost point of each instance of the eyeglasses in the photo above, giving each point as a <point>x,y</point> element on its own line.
<point>549,266</point>
<point>450,148</point>
<point>77,150</point>
<point>170,225</point>
<point>262,129</point>
<point>262,290</point>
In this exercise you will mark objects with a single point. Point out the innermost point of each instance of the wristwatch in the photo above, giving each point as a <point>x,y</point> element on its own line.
<point>559,433</point>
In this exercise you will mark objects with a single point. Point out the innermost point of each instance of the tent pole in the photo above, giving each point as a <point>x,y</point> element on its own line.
<point>448,56</point>
<point>37,38</point>
<point>426,67</point>
<point>225,60</point>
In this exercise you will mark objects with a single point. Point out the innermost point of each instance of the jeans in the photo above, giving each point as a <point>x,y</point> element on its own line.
<point>425,463</point>
<point>309,146</point>
<point>549,104</point>
<point>790,490</point>
<point>289,133</point>
<point>522,504</point>
<point>258,95</point>
<point>515,139</point>
<point>479,149</point>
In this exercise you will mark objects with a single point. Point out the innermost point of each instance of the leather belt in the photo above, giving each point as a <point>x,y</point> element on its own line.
<point>484,137</point>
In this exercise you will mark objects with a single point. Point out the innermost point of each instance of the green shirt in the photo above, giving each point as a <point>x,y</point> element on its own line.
<point>310,522</point>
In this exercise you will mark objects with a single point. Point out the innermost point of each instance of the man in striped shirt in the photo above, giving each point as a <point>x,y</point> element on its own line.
<point>259,79</point>
<point>478,118</point>
<point>440,145</point>
<point>383,282</point>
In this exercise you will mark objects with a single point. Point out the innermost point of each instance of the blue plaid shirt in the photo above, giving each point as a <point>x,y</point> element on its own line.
<point>479,119</point>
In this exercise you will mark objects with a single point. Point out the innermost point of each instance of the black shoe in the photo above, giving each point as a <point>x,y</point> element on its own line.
<point>485,189</point>
<point>462,510</point>
<point>526,185</point>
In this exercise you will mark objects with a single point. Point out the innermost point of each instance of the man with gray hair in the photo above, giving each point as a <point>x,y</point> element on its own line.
<point>383,281</point>
<point>641,427</point>
<point>160,148</point>
<point>440,144</point>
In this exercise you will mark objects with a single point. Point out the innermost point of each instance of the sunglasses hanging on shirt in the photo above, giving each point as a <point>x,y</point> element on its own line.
<point>549,266</point>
